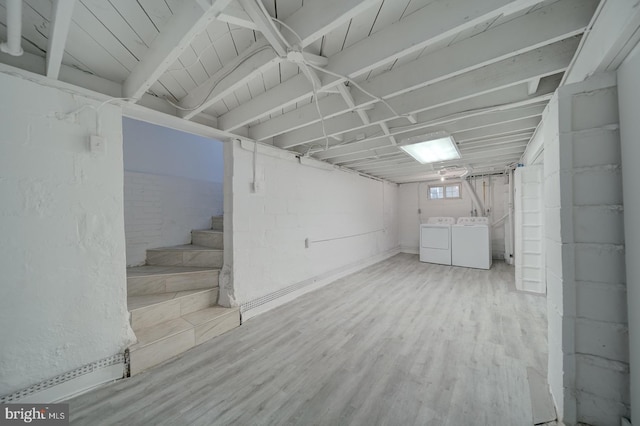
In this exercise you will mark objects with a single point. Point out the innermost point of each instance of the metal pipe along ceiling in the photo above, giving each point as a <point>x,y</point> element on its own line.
<point>14,29</point>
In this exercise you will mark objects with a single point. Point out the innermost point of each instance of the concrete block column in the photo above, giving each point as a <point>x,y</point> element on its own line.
<point>588,341</point>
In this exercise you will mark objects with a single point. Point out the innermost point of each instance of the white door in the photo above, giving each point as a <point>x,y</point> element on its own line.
<point>529,210</point>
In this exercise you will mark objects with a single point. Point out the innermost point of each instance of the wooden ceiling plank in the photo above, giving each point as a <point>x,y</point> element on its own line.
<point>177,35</point>
<point>416,31</point>
<point>318,17</point>
<point>568,18</point>
<point>548,60</point>
<point>61,21</point>
<point>235,74</point>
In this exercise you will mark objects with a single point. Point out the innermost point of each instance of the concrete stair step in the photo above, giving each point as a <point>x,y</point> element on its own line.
<point>148,310</point>
<point>208,238</point>
<point>151,279</point>
<point>163,341</point>
<point>186,255</point>
<point>217,223</point>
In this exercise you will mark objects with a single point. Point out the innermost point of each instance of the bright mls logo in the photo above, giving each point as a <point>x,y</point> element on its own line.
<point>34,414</point>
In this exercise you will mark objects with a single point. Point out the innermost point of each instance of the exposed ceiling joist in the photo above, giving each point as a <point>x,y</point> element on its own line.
<point>532,86</point>
<point>417,167</point>
<point>615,32</point>
<point>498,129</point>
<point>332,13</point>
<point>265,24</point>
<point>506,98</point>
<point>559,20</point>
<point>248,65</point>
<point>61,20</point>
<point>541,62</point>
<point>462,124</point>
<point>234,14</point>
<point>417,31</point>
<point>191,20</point>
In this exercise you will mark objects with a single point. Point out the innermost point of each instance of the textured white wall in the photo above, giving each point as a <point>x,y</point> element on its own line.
<point>297,202</point>
<point>629,104</point>
<point>158,150</point>
<point>413,196</point>
<point>62,258</point>
<point>161,211</point>
<point>588,343</point>
<point>173,184</point>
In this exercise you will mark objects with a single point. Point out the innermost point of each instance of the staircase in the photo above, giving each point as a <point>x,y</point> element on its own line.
<point>172,299</point>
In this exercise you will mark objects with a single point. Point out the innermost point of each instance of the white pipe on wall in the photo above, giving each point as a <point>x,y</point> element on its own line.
<point>510,229</point>
<point>14,29</point>
<point>474,196</point>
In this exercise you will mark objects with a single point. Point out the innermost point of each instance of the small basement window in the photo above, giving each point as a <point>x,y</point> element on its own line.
<point>441,192</point>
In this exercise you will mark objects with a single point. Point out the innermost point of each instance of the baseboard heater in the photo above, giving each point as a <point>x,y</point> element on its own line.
<point>72,383</point>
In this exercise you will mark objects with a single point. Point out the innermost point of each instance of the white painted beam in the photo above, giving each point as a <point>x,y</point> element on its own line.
<point>319,17</point>
<point>545,26</point>
<point>476,159</point>
<point>345,92</point>
<point>548,60</point>
<point>259,15</point>
<point>559,20</point>
<point>61,21</point>
<point>189,21</point>
<point>614,32</point>
<point>489,132</point>
<point>532,86</point>
<point>502,129</point>
<point>235,15</point>
<point>428,25</point>
<point>343,159</point>
<point>417,31</point>
<point>251,63</point>
<point>523,138</point>
<point>387,132</point>
<point>451,127</point>
<point>390,163</point>
<point>507,98</point>
<point>267,103</point>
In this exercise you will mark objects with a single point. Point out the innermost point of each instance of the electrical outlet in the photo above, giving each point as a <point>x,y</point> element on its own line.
<point>97,144</point>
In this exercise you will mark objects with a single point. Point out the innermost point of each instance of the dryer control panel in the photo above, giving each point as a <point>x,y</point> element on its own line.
<point>441,220</point>
<point>476,220</point>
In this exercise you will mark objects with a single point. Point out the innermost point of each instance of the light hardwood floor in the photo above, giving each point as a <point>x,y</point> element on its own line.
<point>399,343</point>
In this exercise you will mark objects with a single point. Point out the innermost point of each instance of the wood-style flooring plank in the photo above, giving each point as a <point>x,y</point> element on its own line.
<point>398,343</point>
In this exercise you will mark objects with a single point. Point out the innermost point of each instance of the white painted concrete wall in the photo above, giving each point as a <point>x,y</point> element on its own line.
<point>63,302</point>
<point>173,184</point>
<point>629,105</point>
<point>162,211</point>
<point>588,346</point>
<point>298,202</point>
<point>414,197</point>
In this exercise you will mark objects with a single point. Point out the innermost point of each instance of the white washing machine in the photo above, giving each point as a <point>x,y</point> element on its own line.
<point>435,240</point>
<point>471,243</point>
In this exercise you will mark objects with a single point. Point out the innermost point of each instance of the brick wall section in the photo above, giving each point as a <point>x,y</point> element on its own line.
<point>161,211</point>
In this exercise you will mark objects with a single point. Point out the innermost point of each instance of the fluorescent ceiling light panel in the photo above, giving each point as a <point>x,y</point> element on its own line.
<point>429,149</point>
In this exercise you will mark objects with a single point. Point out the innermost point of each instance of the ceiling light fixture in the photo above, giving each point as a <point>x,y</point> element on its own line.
<point>431,148</point>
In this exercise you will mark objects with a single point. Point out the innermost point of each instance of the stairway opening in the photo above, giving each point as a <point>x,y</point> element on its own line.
<point>173,185</point>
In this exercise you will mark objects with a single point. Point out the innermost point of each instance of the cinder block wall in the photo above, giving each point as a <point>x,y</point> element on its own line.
<point>588,341</point>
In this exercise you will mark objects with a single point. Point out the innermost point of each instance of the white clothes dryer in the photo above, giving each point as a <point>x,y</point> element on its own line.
<point>471,243</point>
<point>435,240</point>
